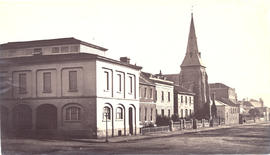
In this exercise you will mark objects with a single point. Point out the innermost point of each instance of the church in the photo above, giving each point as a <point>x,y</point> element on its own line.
<point>193,76</point>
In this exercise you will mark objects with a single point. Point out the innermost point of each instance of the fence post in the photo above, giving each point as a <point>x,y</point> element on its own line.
<point>195,124</point>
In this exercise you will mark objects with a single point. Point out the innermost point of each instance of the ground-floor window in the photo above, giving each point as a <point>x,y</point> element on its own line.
<point>119,113</point>
<point>106,112</point>
<point>73,113</point>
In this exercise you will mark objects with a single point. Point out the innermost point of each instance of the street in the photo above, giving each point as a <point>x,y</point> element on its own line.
<point>242,139</point>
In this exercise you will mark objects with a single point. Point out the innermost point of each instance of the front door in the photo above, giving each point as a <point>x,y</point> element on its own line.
<point>130,112</point>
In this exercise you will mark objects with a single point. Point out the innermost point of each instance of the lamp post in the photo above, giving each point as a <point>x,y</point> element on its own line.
<point>106,115</point>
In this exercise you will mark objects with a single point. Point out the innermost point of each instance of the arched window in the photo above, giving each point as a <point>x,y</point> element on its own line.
<point>73,113</point>
<point>119,113</point>
<point>106,110</point>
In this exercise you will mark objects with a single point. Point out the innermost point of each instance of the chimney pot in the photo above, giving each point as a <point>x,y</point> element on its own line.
<point>125,60</point>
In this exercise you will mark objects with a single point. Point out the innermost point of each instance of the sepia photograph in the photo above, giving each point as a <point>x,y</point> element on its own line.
<point>94,77</point>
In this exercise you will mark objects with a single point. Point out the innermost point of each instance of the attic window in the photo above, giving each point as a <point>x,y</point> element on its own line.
<point>37,51</point>
<point>55,50</point>
<point>64,49</point>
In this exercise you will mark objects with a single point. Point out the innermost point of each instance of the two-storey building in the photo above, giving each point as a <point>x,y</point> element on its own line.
<point>147,100</point>
<point>64,87</point>
<point>183,102</point>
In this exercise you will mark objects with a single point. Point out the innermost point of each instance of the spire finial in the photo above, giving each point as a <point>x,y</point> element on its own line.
<point>192,10</point>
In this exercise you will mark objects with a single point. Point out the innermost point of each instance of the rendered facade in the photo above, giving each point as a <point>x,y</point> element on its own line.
<point>54,88</point>
<point>147,109</point>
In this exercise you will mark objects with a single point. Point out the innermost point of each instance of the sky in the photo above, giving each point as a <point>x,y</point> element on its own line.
<point>233,35</point>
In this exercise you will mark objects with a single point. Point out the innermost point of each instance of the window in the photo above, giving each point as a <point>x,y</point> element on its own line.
<point>47,82</point>
<point>162,96</point>
<point>151,115</point>
<point>189,111</point>
<point>186,113</point>
<point>73,81</point>
<point>145,114</point>
<point>55,50</point>
<point>140,114</point>
<point>182,113</point>
<point>119,82</point>
<point>106,110</point>
<point>169,113</point>
<point>181,99</point>
<point>64,49</point>
<point>186,99</point>
<point>107,79</point>
<point>37,51</point>
<point>190,99</point>
<point>22,83</point>
<point>169,96</point>
<point>119,113</point>
<point>74,48</point>
<point>162,112</point>
<point>150,93</point>
<point>73,114</point>
<point>130,84</point>
<point>145,89</point>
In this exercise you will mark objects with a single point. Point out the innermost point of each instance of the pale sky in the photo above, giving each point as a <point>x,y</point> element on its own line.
<point>233,35</point>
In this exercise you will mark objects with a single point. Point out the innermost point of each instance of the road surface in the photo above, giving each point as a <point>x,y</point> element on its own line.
<point>252,139</point>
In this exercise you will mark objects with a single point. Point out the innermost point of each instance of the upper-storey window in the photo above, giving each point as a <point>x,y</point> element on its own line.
<point>22,83</point>
<point>130,84</point>
<point>107,80</point>
<point>119,79</point>
<point>181,99</point>
<point>186,99</point>
<point>74,48</point>
<point>162,96</point>
<point>55,50</point>
<point>64,49</point>
<point>47,82</point>
<point>169,96</point>
<point>150,93</point>
<point>145,90</point>
<point>73,81</point>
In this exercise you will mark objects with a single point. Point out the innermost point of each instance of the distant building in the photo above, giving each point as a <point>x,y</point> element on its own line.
<point>147,109</point>
<point>256,103</point>
<point>223,91</point>
<point>66,87</point>
<point>227,112</point>
<point>183,102</point>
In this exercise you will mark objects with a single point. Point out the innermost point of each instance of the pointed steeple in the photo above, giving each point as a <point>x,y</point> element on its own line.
<point>193,56</point>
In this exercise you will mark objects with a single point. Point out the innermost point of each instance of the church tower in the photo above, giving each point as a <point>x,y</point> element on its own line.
<point>193,76</point>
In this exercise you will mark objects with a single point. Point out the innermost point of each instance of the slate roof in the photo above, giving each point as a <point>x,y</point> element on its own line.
<point>227,101</point>
<point>182,90</point>
<point>59,58</point>
<point>47,42</point>
<point>192,57</point>
<point>144,79</point>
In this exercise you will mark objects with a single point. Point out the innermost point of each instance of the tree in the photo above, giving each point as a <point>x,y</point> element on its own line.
<point>214,110</point>
<point>254,113</point>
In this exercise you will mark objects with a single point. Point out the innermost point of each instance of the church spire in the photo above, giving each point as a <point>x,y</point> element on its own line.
<point>193,56</point>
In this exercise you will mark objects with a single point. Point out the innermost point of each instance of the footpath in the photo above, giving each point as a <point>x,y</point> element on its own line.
<point>163,134</point>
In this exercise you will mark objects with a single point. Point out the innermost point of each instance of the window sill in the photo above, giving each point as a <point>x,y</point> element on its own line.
<point>120,120</point>
<point>107,120</point>
<point>72,121</point>
<point>71,90</point>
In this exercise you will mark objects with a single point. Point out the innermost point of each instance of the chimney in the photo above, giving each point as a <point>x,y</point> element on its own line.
<point>125,60</point>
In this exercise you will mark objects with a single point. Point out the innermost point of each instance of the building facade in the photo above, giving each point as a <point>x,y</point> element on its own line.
<point>229,114</point>
<point>183,102</point>
<point>222,91</point>
<point>55,88</point>
<point>147,109</point>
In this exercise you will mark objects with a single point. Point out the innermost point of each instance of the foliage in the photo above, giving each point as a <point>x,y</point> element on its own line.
<point>162,120</point>
<point>214,110</point>
<point>254,113</point>
<point>175,117</point>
